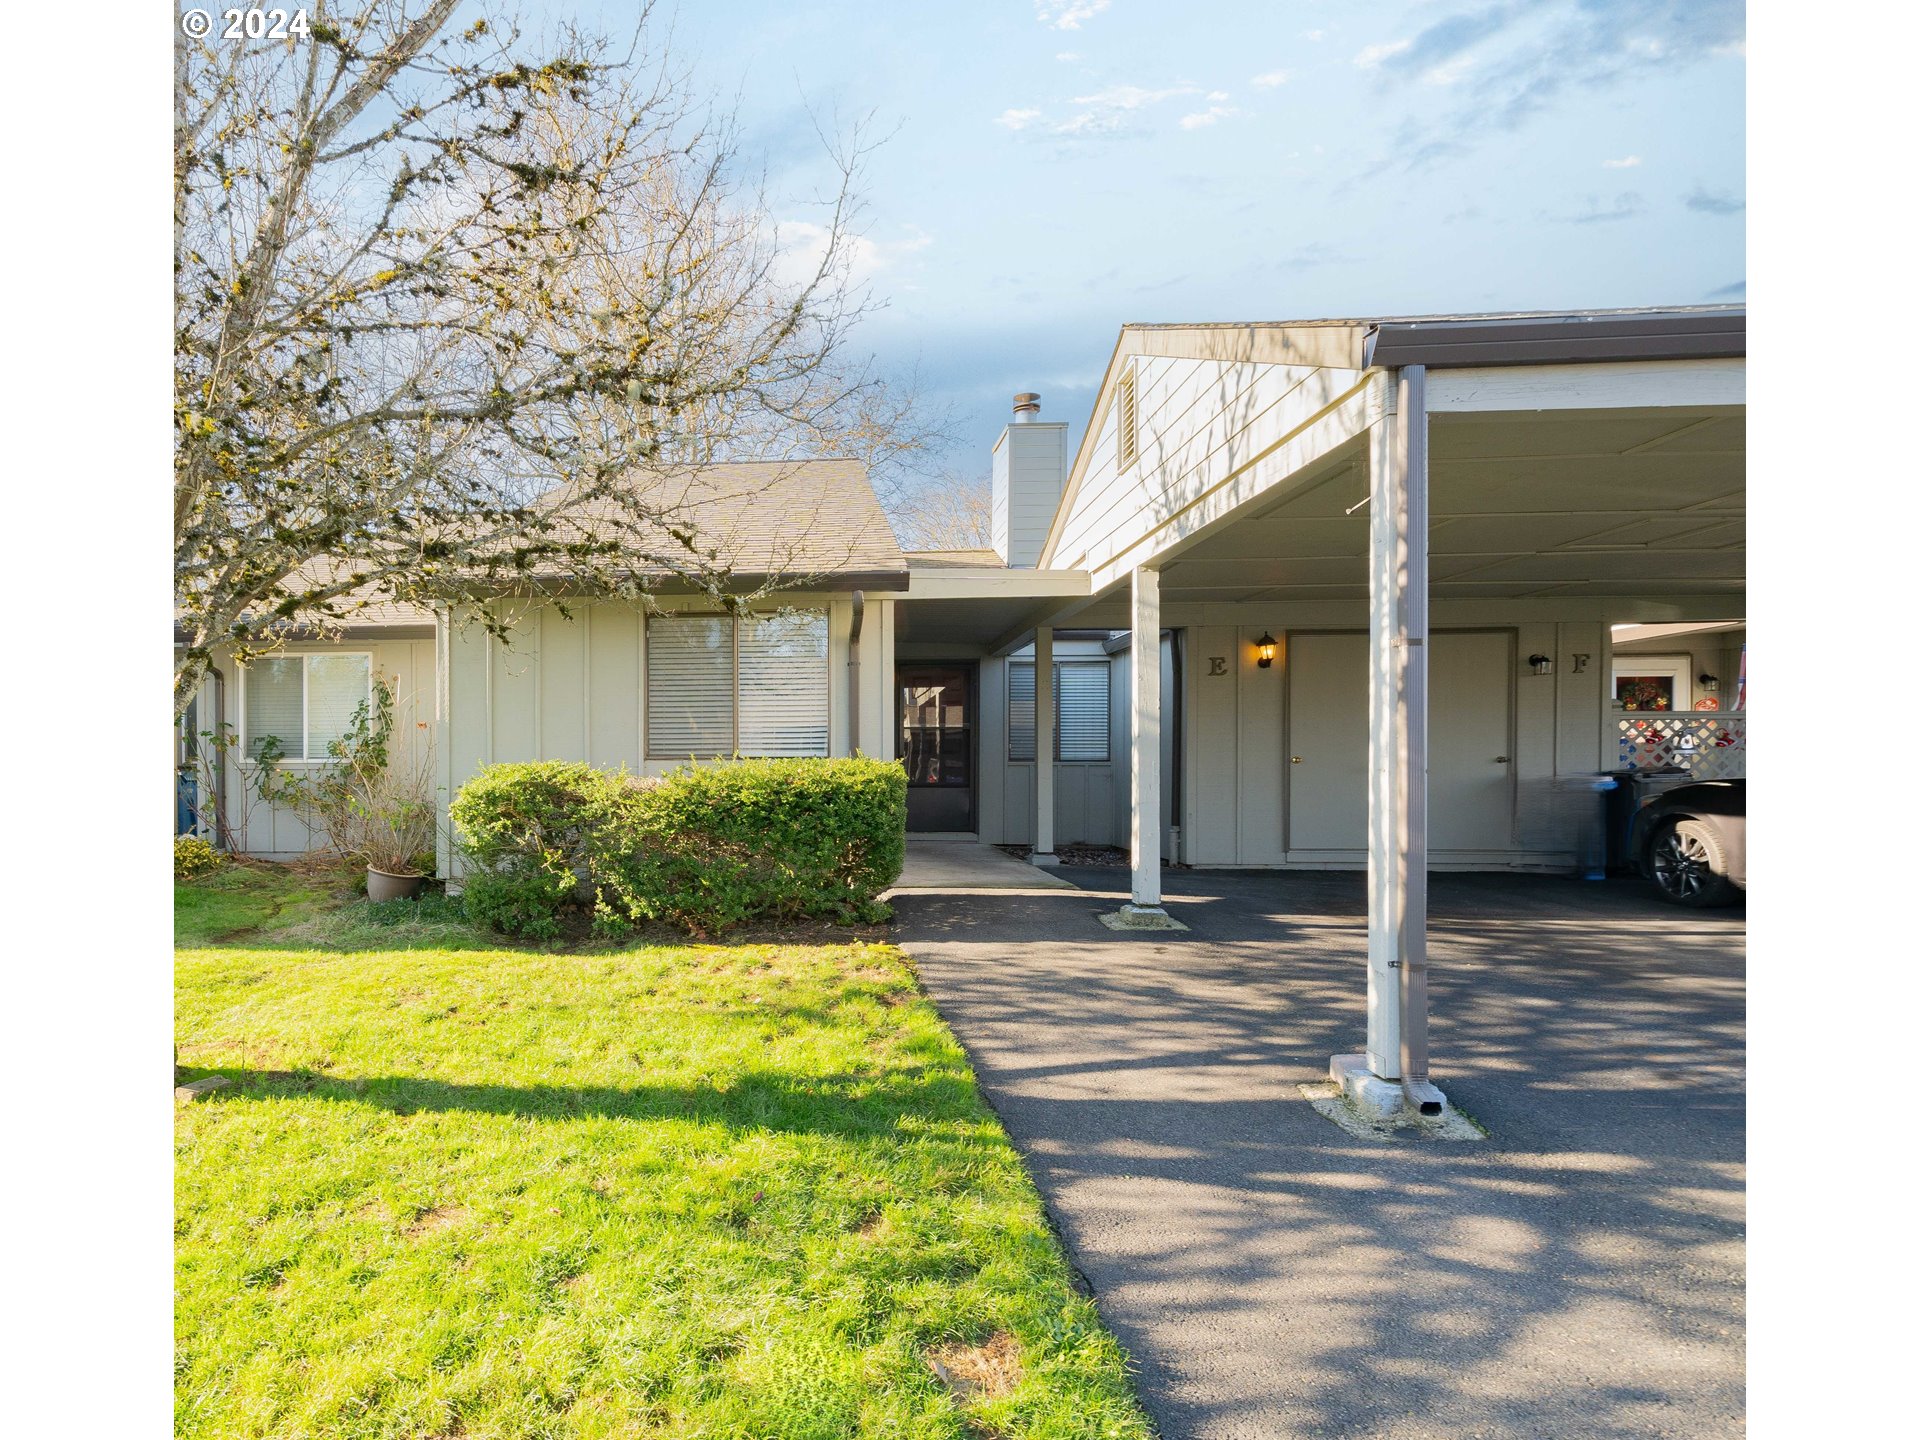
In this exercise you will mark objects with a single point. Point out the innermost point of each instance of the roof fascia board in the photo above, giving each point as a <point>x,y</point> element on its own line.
<point>1568,339</point>
<point>954,583</point>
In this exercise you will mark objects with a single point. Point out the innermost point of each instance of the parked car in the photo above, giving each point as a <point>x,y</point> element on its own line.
<point>1691,841</point>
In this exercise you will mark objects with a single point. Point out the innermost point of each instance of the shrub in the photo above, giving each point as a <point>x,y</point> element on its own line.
<point>706,847</point>
<point>193,857</point>
<point>532,834</point>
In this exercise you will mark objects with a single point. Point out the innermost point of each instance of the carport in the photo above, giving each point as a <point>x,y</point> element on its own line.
<point>1540,477</point>
<point>1577,1273</point>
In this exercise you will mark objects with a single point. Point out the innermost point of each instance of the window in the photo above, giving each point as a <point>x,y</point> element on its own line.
<point>1080,695</point>
<point>718,687</point>
<point>303,702</point>
<point>1126,403</point>
<point>1652,682</point>
<point>1080,711</point>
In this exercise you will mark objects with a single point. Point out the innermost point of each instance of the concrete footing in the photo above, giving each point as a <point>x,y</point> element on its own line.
<point>1370,1095</point>
<point>1044,858</point>
<point>1140,917</point>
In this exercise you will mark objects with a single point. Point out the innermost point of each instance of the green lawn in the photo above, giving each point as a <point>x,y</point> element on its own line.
<point>465,1190</point>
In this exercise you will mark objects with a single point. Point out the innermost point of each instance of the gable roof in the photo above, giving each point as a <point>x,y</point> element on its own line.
<point>1359,343</point>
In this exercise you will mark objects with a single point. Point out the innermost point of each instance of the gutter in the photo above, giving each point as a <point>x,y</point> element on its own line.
<point>853,672</point>
<point>1707,333</point>
<point>221,838</point>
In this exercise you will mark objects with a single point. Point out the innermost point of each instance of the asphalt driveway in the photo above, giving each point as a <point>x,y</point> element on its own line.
<point>1578,1274</point>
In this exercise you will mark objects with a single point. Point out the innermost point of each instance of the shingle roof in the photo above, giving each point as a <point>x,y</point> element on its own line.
<point>795,520</point>
<point>788,518</point>
<point>955,560</point>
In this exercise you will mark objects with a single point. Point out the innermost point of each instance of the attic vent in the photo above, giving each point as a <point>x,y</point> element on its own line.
<point>1128,406</point>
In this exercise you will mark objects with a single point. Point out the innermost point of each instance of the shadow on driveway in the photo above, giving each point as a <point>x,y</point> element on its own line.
<point>1579,1274</point>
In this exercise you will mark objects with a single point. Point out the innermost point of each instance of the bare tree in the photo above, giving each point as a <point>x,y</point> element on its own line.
<point>456,313</point>
<point>945,512</point>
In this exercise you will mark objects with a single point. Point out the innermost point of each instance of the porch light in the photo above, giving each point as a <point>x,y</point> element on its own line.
<point>1540,664</point>
<point>1265,645</point>
<point>1708,683</point>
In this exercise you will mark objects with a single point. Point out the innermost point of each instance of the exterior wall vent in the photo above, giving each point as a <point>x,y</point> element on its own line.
<point>1126,405</point>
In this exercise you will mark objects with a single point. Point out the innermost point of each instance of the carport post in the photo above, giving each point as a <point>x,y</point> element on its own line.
<point>1144,689</point>
<point>1043,748</point>
<point>1397,742</point>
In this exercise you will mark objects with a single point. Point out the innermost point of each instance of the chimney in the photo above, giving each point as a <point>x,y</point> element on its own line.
<point>1029,472</point>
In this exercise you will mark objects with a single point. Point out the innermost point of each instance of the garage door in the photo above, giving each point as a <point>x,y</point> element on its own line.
<point>1470,724</point>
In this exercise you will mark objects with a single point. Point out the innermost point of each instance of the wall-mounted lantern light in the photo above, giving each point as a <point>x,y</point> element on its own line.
<point>1540,664</point>
<point>1265,646</point>
<point>1708,683</point>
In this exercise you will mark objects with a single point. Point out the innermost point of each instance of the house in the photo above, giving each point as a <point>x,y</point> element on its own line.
<point>1366,550</point>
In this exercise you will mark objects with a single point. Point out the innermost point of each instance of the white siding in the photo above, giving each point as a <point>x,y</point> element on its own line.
<point>275,832</point>
<point>1201,423</point>
<point>1029,471</point>
<point>574,688</point>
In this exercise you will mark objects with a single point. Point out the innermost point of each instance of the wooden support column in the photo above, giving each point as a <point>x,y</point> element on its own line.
<point>1043,745</point>
<point>1397,735</point>
<point>1144,673</point>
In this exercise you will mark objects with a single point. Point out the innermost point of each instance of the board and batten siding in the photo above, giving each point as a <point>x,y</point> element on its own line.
<point>1236,745</point>
<point>274,832</point>
<point>1200,423</point>
<point>573,687</point>
<point>1089,797</point>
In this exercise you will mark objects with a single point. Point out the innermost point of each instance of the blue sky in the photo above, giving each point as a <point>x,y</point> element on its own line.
<point>1056,168</point>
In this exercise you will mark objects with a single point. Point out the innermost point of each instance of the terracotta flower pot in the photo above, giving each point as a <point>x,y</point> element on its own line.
<point>382,886</point>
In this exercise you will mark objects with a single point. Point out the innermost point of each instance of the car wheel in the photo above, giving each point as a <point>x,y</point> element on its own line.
<point>1689,865</point>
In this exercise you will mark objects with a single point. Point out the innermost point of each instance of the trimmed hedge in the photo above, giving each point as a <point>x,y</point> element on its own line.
<point>706,847</point>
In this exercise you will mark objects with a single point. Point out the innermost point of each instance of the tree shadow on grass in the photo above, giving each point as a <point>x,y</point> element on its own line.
<point>840,1104</point>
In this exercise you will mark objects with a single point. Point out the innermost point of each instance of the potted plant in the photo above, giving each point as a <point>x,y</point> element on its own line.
<point>394,817</point>
<point>378,805</point>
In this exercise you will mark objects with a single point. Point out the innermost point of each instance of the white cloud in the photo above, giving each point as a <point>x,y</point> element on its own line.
<point>1732,47</point>
<point>1067,57</point>
<point>1212,115</point>
<point>1313,34</point>
<point>1067,14</point>
<point>1132,97</point>
<point>1218,95</point>
<point>1106,112</point>
<point>1271,79</point>
<point>1625,162</point>
<point>803,245</point>
<point>1452,72</point>
<point>1374,55</point>
<point>1017,119</point>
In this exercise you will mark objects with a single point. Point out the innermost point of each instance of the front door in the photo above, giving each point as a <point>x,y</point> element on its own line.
<point>1469,730</point>
<point>937,745</point>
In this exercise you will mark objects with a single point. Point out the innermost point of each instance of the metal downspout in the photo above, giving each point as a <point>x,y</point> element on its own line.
<point>220,836</point>
<point>853,672</point>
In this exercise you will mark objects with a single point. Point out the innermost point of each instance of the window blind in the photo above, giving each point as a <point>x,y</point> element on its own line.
<point>783,684</point>
<point>306,702</point>
<point>1080,721</point>
<point>690,702</point>
<point>275,704</point>
<point>1080,692</point>
<point>337,686</point>
<point>1020,711</point>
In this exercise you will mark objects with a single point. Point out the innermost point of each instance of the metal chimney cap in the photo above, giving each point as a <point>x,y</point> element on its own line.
<point>1025,405</point>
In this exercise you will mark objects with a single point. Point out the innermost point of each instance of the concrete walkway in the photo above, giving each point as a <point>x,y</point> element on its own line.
<point>1579,1274</point>
<point>963,866</point>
